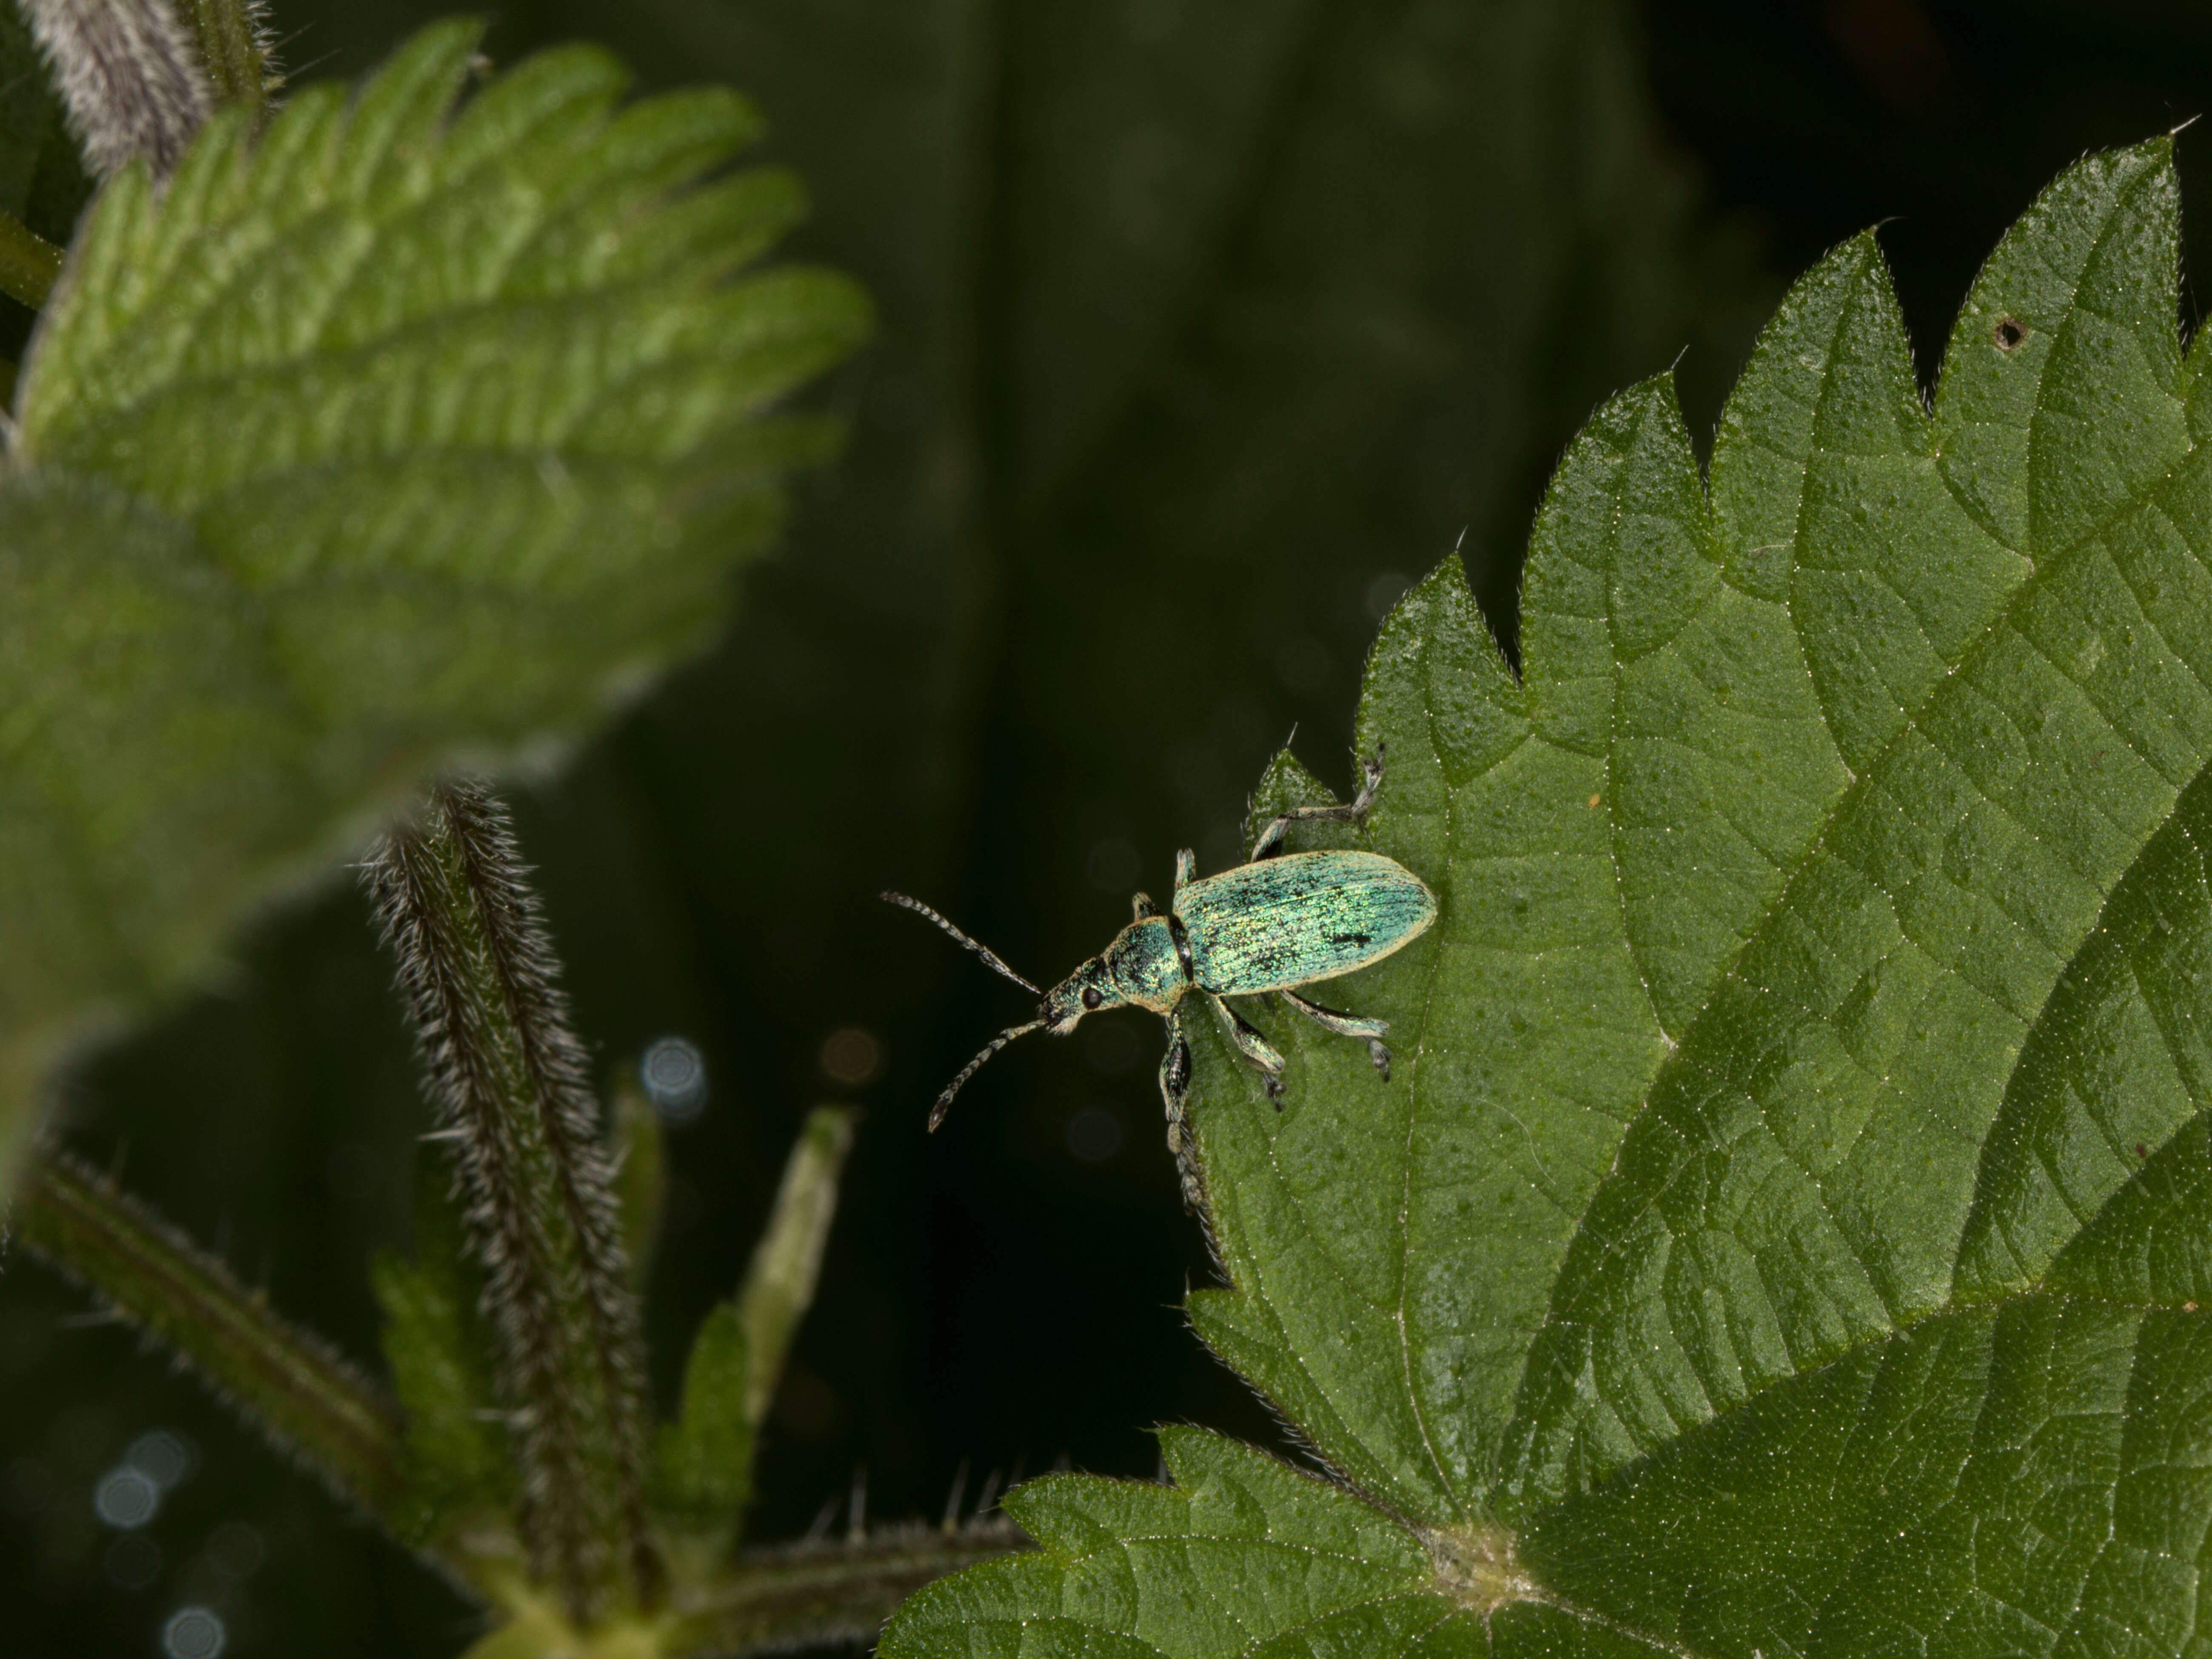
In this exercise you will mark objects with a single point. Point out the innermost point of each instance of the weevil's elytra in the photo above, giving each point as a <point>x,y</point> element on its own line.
<point>1279,922</point>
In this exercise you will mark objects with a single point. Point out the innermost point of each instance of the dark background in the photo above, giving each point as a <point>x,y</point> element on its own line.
<point>1205,328</point>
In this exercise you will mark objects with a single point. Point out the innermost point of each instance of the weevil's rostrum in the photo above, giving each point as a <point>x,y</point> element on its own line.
<point>1265,928</point>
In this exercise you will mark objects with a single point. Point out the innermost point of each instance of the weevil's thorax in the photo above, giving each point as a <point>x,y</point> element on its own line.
<point>1141,967</point>
<point>1145,966</point>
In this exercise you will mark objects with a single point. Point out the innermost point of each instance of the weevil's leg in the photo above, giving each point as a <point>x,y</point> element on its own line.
<point>1143,905</point>
<point>1271,838</point>
<point>1175,1085</point>
<point>1252,1045</point>
<point>1185,872</point>
<point>1347,1025</point>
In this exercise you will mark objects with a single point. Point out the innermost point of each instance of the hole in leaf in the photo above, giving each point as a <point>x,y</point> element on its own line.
<point>2008,333</point>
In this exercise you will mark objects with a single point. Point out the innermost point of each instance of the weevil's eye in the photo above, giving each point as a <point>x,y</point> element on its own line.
<point>1090,997</point>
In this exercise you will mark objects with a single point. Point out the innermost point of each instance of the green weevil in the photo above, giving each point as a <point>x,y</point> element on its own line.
<point>1271,926</point>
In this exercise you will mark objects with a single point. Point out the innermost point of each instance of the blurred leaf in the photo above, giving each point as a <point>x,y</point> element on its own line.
<point>1782,1231</point>
<point>738,1356</point>
<point>786,1263</point>
<point>640,1174</point>
<point>456,1461</point>
<point>458,1466</point>
<point>433,433</point>
<point>706,1458</point>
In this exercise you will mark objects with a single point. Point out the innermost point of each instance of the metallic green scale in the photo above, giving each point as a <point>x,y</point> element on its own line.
<point>1265,928</point>
<point>1292,920</point>
<point>1259,928</point>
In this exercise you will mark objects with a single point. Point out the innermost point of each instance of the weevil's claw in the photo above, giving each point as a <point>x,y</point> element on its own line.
<point>1274,1087</point>
<point>1380,1056</point>
<point>1371,776</point>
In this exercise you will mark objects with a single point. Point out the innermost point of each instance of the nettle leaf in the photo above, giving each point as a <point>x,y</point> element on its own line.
<point>703,1466</point>
<point>1785,1231</point>
<point>458,1466</point>
<point>392,428</point>
<point>460,1458</point>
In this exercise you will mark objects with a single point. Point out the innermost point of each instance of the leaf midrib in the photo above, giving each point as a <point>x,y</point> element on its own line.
<point>1450,1609</point>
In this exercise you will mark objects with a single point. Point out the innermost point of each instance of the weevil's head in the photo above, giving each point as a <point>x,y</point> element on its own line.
<point>1089,987</point>
<point>1086,991</point>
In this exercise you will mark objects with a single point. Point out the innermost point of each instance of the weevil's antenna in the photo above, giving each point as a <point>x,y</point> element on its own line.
<point>944,1101</point>
<point>990,960</point>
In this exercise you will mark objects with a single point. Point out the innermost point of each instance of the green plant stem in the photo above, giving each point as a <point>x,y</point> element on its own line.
<point>29,264</point>
<point>786,1597</point>
<point>511,1080</point>
<point>289,1384</point>
<point>780,1281</point>
<point>229,49</point>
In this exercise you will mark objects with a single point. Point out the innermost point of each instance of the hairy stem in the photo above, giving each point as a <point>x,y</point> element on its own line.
<point>510,1080</point>
<point>779,1283</point>
<point>129,76</point>
<point>233,47</point>
<point>29,264</point>
<point>290,1384</point>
